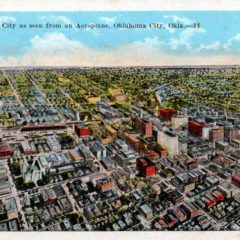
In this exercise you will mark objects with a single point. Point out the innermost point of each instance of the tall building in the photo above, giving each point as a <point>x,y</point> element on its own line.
<point>167,114</point>
<point>205,132</point>
<point>169,141</point>
<point>146,167</point>
<point>196,128</point>
<point>133,141</point>
<point>179,121</point>
<point>98,150</point>
<point>216,134</point>
<point>144,126</point>
<point>231,133</point>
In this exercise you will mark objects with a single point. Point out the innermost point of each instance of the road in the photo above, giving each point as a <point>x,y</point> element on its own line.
<point>15,195</point>
<point>15,93</point>
<point>28,76</point>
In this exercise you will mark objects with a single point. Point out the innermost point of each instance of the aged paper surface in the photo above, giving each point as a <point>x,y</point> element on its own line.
<point>119,119</point>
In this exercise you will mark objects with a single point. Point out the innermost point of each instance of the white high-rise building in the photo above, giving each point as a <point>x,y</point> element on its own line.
<point>179,121</point>
<point>169,141</point>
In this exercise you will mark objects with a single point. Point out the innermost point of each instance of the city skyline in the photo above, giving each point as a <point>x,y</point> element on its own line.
<point>119,149</point>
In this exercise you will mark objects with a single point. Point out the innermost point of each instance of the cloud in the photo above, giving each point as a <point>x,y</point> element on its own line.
<point>184,38</point>
<point>231,45</point>
<point>235,39</point>
<point>171,30</point>
<point>55,49</point>
<point>108,20</point>
<point>56,19</point>
<point>53,43</point>
<point>6,19</point>
<point>177,19</point>
<point>52,49</point>
<point>153,43</point>
<point>214,46</point>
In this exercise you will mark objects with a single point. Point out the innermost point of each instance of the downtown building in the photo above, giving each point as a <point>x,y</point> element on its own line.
<point>82,130</point>
<point>179,121</point>
<point>5,150</point>
<point>196,128</point>
<point>167,114</point>
<point>144,126</point>
<point>231,133</point>
<point>216,134</point>
<point>98,150</point>
<point>169,141</point>
<point>146,167</point>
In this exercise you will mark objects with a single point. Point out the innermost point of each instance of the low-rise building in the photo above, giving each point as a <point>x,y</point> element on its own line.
<point>48,196</point>
<point>53,143</point>
<point>5,150</point>
<point>105,184</point>
<point>147,211</point>
<point>75,155</point>
<point>98,149</point>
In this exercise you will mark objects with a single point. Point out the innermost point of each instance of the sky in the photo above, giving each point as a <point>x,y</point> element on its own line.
<point>216,42</point>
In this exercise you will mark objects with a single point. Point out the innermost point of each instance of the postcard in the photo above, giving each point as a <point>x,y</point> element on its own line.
<point>119,120</point>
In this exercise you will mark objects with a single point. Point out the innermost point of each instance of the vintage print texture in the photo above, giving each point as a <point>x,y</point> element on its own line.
<point>120,121</point>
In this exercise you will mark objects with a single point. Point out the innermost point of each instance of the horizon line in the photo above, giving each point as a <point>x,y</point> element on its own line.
<point>123,66</point>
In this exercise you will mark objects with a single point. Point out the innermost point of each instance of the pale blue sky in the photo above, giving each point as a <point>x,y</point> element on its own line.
<point>219,35</point>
